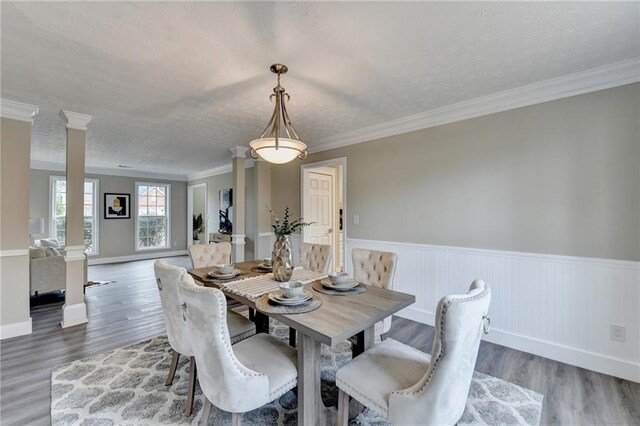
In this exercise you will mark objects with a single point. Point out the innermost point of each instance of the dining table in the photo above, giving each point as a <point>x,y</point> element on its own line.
<point>339,318</point>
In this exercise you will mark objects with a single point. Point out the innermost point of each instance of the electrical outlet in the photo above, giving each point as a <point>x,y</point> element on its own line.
<point>356,219</point>
<point>617,332</point>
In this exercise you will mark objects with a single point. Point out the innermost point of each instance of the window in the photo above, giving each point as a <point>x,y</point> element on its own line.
<point>59,212</point>
<point>152,216</point>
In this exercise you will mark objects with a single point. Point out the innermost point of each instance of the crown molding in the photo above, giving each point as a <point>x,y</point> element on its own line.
<point>17,110</point>
<point>218,170</point>
<point>61,167</point>
<point>591,80</point>
<point>239,151</point>
<point>75,120</point>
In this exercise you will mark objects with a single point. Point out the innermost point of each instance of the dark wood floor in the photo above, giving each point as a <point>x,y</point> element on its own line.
<point>129,311</point>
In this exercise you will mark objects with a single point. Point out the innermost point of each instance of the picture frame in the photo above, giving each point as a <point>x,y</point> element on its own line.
<point>225,212</point>
<point>117,206</point>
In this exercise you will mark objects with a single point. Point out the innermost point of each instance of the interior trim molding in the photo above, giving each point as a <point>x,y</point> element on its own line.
<point>248,163</point>
<point>591,80</point>
<point>17,110</point>
<point>75,314</point>
<point>542,304</point>
<point>13,253</point>
<point>76,120</point>
<point>626,264</point>
<point>585,359</point>
<point>15,329</point>
<point>130,258</point>
<point>61,167</point>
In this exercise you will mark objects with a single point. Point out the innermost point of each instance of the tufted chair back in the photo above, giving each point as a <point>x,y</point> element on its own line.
<point>167,279</point>
<point>441,394</point>
<point>204,255</point>
<point>315,257</point>
<point>375,268</point>
<point>226,382</point>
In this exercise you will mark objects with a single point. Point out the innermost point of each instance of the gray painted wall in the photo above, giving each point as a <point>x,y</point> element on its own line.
<point>116,236</point>
<point>223,181</point>
<point>562,177</point>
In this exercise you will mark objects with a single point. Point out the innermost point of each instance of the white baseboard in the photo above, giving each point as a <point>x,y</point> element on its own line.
<point>75,314</point>
<point>15,329</point>
<point>559,307</point>
<point>585,359</point>
<point>145,256</point>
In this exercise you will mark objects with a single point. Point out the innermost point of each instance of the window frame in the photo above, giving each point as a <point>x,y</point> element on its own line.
<point>96,203</point>
<point>167,215</point>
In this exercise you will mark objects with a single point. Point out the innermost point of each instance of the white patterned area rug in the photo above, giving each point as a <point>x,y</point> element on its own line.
<point>126,387</point>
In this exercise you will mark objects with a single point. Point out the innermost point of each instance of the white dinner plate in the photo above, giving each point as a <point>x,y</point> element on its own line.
<point>265,267</point>
<point>278,297</point>
<point>326,282</point>
<point>219,276</point>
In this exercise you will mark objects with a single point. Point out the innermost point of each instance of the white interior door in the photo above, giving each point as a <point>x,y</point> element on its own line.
<point>319,206</point>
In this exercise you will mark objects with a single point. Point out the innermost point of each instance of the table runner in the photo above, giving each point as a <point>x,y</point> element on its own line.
<point>255,287</point>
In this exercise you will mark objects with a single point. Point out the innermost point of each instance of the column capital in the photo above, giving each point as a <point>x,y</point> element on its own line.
<point>75,120</point>
<point>17,110</point>
<point>239,151</point>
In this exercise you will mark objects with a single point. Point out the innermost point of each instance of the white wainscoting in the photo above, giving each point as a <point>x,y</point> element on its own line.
<point>559,307</point>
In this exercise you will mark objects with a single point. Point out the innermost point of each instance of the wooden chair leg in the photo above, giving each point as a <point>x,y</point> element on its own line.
<point>292,337</point>
<point>188,409</point>
<point>206,409</point>
<point>236,419</point>
<point>172,369</point>
<point>343,408</point>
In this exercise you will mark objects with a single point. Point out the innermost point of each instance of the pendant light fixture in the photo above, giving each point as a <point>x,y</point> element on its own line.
<point>279,143</point>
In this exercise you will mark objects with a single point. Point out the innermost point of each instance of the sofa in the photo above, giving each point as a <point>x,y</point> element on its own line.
<point>47,267</point>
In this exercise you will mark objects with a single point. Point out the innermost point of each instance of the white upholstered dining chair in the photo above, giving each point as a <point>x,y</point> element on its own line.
<point>203,255</point>
<point>167,279</point>
<point>237,378</point>
<point>376,268</point>
<point>315,257</point>
<point>409,387</point>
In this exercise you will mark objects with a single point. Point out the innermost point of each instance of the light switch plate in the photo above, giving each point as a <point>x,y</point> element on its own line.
<point>356,219</point>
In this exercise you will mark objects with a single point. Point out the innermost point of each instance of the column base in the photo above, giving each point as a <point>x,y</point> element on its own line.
<point>74,315</point>
<point>15,329</point>
<point>237,247</point>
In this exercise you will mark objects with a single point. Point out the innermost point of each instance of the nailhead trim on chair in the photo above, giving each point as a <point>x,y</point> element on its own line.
<point>363,399</point>
<point>441,344</point>
<point>192,287</point>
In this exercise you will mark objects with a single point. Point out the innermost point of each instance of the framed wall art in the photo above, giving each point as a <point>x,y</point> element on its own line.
<point>117,206</point>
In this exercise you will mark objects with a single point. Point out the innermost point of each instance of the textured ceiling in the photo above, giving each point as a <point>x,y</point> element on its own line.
<point>172,86</point>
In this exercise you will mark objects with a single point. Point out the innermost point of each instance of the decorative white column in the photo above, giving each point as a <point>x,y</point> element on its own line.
<point>238,219</point>
<point>74,310</point>
<point>262,184</point>
<point>15,158</point>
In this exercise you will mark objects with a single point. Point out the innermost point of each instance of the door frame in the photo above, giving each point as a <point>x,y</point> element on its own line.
<point>190,189</point>
<point>340,161</point>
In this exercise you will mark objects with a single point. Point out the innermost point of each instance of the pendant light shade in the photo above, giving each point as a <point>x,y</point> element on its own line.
<point>279,143</point>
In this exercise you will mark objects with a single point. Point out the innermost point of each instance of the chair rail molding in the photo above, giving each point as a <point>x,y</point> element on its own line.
<point>17,110</point>
<point>145,256</point>
<point>559,307</point>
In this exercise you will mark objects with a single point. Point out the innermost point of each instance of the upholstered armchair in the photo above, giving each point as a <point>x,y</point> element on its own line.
<point>237,378</point>
<point>203,255</point>
<point>376,268</point>
<point>167,278</point>
<point>409,387</point>
<point>48,269</point>
<point>315,257</point>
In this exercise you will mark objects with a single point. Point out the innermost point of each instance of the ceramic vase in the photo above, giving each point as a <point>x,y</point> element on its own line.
<point>281,259</point>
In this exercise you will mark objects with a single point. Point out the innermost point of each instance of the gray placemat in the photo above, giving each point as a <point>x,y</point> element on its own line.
<point>317,286</point>
<point>265,305</point>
